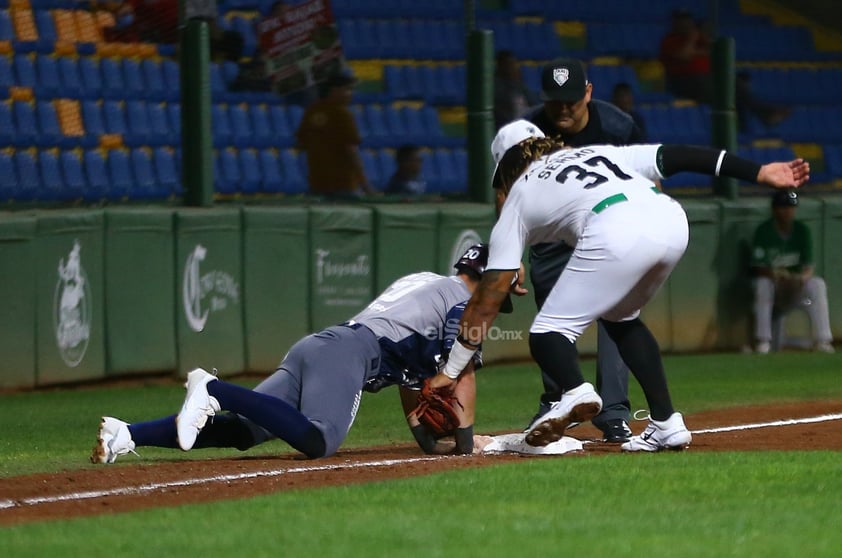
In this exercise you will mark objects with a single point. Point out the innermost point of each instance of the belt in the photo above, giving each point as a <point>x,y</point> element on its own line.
<point>609,201</point>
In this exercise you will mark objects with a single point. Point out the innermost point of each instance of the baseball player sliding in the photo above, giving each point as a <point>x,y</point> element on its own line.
<point>628,237</point>
<point>312,398</point>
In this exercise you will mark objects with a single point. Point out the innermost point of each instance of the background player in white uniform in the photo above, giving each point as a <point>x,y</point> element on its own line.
<point>312,398</point>
<point>628,238</point>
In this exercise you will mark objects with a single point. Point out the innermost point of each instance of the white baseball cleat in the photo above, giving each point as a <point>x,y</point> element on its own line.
<point>577,405</point>
<point>198,406</point>
<point>658,435</point>
<point>114,439</point>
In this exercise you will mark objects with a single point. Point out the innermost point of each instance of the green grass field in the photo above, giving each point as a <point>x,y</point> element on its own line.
<point>673,504</point>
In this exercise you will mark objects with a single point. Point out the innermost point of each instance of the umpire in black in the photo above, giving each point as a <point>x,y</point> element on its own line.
<point>569,113</point>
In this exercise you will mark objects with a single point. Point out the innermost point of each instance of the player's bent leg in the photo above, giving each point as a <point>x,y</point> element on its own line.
<point>641,352</point>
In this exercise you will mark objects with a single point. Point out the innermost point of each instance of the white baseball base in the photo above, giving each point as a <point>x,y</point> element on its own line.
<point>516,443</point>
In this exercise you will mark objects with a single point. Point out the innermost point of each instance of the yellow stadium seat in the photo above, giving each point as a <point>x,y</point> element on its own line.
<point>65,26</point>
<point>86,27</point>
<point>6,47</point>
<point>65,48</point>
<point>19,5</point>
<point>70,117</point>
<point>104,19</point>
<point>111,141</point>
<point>24,23</point>
<point>17,93</point>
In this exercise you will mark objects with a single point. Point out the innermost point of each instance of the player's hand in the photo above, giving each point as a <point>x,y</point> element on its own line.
<point>517,286</point>
<point>785,175</point>
<point>441,381</point>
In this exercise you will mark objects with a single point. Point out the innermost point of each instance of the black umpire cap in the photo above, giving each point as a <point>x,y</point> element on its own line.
<point>784,198</point>
<point>563,80</point>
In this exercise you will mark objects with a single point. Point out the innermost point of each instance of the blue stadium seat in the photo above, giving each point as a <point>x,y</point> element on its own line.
<point>378,131</point>
<point>29,180</point>
<point>153,77</point>
<point>172,78</point>
<point>7,74</point>
<point>113,82</point>
<point>394,79</point>
<point>9,184</point>
<point>91,77</point>
<point>159,127</point>
<point>25,123</point>
<point>294,114</point>
<point>49,129</point>
<point>98,182</point>
<point>92,118</point>
<point>120,174</point>
<point>221,126</point>
<point>231,174</point>
<point>70,78</point>
<point>138,122</point>
<point>114,114</point>
<point>395,123</point>
<point>48,84</point>
<point>74,174</point>
<point>280,124</point>
<point>134,80</point>
<point>415,130</point>
<point>371,167</point>
<point>388,165</point>
<point>145,183</point>
<point>166,171</point>
<point>242,134</point>
<point>219,89</point>
<point>45,25</point>
<point>7,29</point>
<point>24,71</point>
<point>431,174</point>
<point>251,177</point>
<point>295,181</point>
<point>51,177</point>
<point>270,169</point>
<point>448,173</point>
<point>261,125</point>
<point>174,117</point>
<point>8,129</point>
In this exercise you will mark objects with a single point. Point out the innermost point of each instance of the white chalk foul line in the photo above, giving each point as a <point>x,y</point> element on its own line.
<point>787,422</point>
<point>134,490</point>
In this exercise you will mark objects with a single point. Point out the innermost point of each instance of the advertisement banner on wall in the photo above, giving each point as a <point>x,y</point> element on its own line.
<point>300,44</point>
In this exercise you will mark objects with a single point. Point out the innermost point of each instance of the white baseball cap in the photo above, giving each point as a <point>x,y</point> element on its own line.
<point>510,135</point>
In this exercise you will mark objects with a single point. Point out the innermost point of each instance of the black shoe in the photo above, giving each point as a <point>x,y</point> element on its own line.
<point>616,431</point>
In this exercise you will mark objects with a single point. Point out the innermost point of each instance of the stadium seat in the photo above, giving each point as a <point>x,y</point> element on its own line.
<point>371,167</point>
<point>294,179</point>
<point>48,84</point>
<point>145,183</point>
<point>9,184</point>
<point>174,117</point>
<point>137,121</point>
<point>115,117</point>
<point>45,25</point>
<point>74,175</point>
<point>230,176</point>
<point>280,124</point>
<point>172,77</point>
<point>7,29</point>
<point>378,131</point>
<point>134,80</point>
<point>25,124</point>
<point>24,71</point>
<point>113,82</point>
<point>29,180</point>
<point>160,132</point>
<point>91,77</point>
<point>166,171</point>
<point>120,174</point>
<point>7,74</point>
<point>70,78</point>
<point>8,129</point>
<point>263,135</point>
<point>153,77</point>
<point>221,126</point>
<point>242,135</point>
<point>270,169</point>
<point>92,118</point>
<point>51,177</point>
<point>251,177</point>
<point>49,131</point>
<point>98,181</point>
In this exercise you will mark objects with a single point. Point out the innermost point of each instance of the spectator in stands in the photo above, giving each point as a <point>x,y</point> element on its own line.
<point>329,135</point>
<point>685,56</point>
<point>251,75</point>
<point>407,179</point>
<point>784,279</point>
<point>748,104</point>
<point>623,98</point>
<point>512,97</point>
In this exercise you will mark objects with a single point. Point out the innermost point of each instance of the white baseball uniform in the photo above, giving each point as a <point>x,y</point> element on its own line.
<point>600,199</point>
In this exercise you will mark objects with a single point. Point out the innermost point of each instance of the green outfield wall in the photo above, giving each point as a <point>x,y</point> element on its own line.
<point>93,293</point>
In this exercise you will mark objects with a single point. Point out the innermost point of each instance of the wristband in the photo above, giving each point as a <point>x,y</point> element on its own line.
<point>465,440</point>
<point>424,438</point>
<point>460,356</point>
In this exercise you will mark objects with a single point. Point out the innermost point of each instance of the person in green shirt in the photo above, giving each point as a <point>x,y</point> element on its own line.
<point>783,270</point>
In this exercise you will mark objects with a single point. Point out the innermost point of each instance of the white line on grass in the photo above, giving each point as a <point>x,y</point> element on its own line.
<point>133,490</point>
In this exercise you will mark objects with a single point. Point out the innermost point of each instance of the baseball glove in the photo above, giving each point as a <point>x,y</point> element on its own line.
<point>436,410</point>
